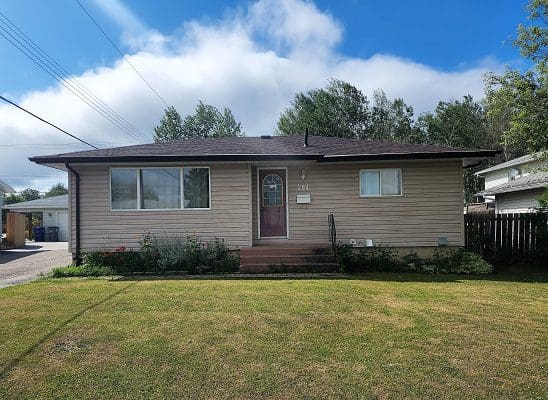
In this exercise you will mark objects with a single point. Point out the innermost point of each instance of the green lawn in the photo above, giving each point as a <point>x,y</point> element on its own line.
<point>384,336</point>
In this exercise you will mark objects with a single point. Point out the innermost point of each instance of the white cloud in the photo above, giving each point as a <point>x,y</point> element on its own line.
<point>252,61</point>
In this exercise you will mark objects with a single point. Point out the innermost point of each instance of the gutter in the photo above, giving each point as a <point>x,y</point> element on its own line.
<point>76,258</point>
<point>261,157</point>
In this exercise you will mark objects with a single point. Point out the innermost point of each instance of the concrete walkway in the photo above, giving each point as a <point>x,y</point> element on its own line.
<point>23,265</point>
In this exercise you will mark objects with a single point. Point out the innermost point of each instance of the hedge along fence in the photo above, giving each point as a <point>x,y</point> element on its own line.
<point>508,238</point>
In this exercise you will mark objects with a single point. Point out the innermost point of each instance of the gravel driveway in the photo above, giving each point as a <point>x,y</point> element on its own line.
<point>23,265</point>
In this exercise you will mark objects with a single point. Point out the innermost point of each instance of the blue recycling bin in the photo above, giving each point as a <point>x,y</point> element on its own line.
<point>39,234</point>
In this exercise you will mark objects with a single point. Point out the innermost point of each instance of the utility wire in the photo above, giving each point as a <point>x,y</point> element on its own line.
<point>47,122</point>
<point>67,85</point>
<point>120,52</point>
<point>45,62</point>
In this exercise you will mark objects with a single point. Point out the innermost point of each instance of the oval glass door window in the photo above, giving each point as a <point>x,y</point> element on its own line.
<point>273,190</point>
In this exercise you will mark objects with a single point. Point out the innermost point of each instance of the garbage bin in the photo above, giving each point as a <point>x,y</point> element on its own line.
<point>39,233</point>
<point>53,233</point>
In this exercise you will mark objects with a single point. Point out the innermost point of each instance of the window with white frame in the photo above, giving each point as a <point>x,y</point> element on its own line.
<point>380,182</point>
<point>159,188</point>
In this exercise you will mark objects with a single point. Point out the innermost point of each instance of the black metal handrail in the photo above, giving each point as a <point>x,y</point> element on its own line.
<point>332,233</point>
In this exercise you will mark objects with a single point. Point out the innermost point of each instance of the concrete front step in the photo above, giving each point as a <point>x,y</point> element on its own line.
<point>265,268</point>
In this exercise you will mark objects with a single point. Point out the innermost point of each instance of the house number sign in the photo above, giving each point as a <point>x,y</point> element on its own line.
<point>302,187</point>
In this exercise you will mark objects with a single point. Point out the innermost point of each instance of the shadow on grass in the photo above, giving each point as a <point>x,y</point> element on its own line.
<point>529,277</point>
<point>13,363</point>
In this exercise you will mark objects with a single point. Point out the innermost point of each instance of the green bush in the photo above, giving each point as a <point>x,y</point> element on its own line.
<point>120,260</point>
<point>382,259</point>
<point>216,257</point>
<point>367,259</point>
<point>165,253</point>
<point>82,270</point>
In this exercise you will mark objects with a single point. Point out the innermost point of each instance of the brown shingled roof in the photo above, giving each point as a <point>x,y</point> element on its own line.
<point>322,149</point>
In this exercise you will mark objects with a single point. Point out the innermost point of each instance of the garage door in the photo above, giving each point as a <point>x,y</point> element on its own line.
<point>62,223</point>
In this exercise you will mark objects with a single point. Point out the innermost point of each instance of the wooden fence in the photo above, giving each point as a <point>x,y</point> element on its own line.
<point>508,238</point>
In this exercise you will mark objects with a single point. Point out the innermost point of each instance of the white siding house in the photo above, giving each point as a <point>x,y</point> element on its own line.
<point>515,185</point>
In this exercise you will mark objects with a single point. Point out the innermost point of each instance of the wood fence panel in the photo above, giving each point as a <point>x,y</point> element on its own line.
<point>508,238</point>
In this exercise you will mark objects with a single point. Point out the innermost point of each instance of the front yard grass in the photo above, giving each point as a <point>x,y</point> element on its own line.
<point>386,336</point>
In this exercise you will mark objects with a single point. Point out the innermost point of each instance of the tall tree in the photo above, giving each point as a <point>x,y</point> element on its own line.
<point>339,109</point>
<point>517,101</point>
<point>170,127</point>
<point>25,195</point>
<point>390,119</point>
<point>207,121</point>
<point>56,190</point>
<point>457,123</point>
<point>460,124</point>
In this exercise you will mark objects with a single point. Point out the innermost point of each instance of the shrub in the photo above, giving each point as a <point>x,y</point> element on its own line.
<point>379,259</point>
<point>119,260</point>
<point>82,270</point>
<point>367,259</point>
<point>168,253</point>
<point>216,257</point>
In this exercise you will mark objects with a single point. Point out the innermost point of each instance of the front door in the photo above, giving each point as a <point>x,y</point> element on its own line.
<point>272,203</point>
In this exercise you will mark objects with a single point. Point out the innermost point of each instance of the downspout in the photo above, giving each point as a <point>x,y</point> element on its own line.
<point>76,259</point>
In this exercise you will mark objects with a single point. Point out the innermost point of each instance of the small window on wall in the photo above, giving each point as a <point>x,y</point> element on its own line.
<point>196,187</point>
<point>380,182</point>
<point>123,188</point>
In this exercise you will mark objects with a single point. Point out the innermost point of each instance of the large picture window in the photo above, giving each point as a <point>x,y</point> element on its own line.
<point>380,182</point>
<point>159,188</point>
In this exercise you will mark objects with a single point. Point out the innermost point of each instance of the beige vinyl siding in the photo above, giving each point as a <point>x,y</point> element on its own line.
<point>430,207</point>
<point>102,228</point>
<point>516,202</point>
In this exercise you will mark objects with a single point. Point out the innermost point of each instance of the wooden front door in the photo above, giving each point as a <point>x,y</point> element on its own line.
<point>272,203</point>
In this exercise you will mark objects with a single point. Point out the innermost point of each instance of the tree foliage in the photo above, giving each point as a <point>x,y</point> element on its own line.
<point>170,127</point>
<point>460,124</point>
<point>339,109</point>
<point>56,190</point>
<point>25,195</point>
<point>342,110</point>
<point>207,121</point>
<point>517,101</point>
<point>532,40</point>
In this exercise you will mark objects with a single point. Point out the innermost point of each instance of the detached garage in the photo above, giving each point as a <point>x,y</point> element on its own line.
<point>54,212</point>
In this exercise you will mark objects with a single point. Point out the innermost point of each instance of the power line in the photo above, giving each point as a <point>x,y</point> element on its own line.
<point>47,122</point>
<point>120,52</point>
<point>45,62</point>
<point>57,145</point>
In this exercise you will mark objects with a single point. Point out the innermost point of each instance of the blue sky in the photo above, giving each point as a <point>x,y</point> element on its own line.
<point>449,35</point>
<point>250,56</point>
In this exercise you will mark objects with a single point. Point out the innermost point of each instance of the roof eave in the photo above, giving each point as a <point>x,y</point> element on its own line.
<point>216,157</point>
<point>411,156</point>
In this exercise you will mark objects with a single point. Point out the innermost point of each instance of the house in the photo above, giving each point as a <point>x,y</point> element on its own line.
<point>4,188</point>
<point>268,191</point>
<point>515,185</point>
<point>54,212</point>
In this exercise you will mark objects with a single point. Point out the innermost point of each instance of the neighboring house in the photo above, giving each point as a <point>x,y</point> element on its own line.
<point>54,212</point>
<point>267,191</point>
<point>515,185</point>
<point>4,188</point>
